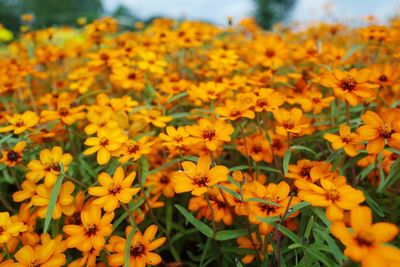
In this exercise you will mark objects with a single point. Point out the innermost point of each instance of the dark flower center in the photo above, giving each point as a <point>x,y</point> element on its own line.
<point>333,195</point>
<point>35,263</point>
<point>383,78</point>
<point>13,156</point>
<point>385,131</point>
<point>91,229</point>
<point>208,134</point>
<point>63,112</point>
<point>288,124</point>
<point>114,189</point>
<point>137,250</point>
<point>201,181</point>
<point>348,83</point>
<point>164,179</point>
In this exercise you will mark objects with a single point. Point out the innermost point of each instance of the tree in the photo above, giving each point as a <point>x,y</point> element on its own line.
<point>269,12</point>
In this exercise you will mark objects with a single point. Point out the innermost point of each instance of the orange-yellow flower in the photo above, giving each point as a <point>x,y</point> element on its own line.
<point>141,249</point>
<point>48,166</point>
<point>114,190</point>
<point>351,86</point>
<point>133,150</point>
<point>13,156</point>
<point>335,197</point>
<point>267,99</point>
<point>106,142</point>
<point>20,122</point>
<point>377,130</point>
<point>174,137</point>
<point>212,134</point>
<point>235,110</point>
<point>350,142</point>
<point>197,178</point>
<point>365,243</point>
<point>289,121</point>
<point>90,234</point>
<point>8,228</point>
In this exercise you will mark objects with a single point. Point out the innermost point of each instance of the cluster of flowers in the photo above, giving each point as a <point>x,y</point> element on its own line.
<point>250,133</point>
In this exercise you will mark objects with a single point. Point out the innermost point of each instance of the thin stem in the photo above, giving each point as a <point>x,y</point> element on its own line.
<point>348,114</point>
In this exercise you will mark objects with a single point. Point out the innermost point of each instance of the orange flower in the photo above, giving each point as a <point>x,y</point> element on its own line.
<point>267,100</point>
<point>234,110</point>
<point>20,122</point>
<point>48,165</point>
<point>365,243</point>
<point>67,114</point>
<point>288,121</point>
<point>335,197</point>
<point>92,231</point>
<point>13,156</point>
<point>114,190</point>
<point>161,182</point>
<point>351,86</point>
<point>376,130</point>
<point>106,142</point>
<point>133,150</point>
<point>211,134</point>
<point>197,178</point>
<point>175,137</point>
<point>140,249</point>
<point>350,142</point>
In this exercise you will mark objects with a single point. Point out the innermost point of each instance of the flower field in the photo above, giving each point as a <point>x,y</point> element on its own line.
<point>187,144</point>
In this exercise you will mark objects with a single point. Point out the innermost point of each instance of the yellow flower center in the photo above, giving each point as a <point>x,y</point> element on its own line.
<point>137,250</point>
<point>348,83</point>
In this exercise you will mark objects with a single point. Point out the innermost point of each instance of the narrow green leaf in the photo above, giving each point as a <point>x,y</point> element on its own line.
<point>229,191</point>
<point>180,115</point>
<point>286,160</point>
<point>5,138</point>
<point>321,215</point>
<point>127,251</point>
<point>269,220</point>
<point>238,168</point>
<point>371,203</point>
<point>310,224</point>
<point>166,165</point>
<point>145,169</point>
<point>393,176</point>
<point>292,236</point>
<point>266,168</point>
<point>351,52</point>
<point>230,234</point>
<point>305,149</point>
<point>320,257</point>
<point>53,198</point>
<point>177,96</point>
<point>296,207</point>
<point>260,200</point>
<point>202,227</point>
<point>365,172</point>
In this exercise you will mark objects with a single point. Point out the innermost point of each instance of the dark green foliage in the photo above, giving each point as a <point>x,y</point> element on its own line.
<point>269,12</point>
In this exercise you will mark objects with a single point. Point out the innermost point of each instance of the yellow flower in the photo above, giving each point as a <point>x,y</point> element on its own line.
<point>350,142</point>
<point>149,61</point>
<point>140,250</point>
<point>235,110</point>
<point>48,165</point>
<point>366,242</point>
<point>20,122</point>
<point>64,203</point>
<point>92,231</point>
<point>106,142</point>
<point>212,134</point>
<point>8,228</point>
<point>114,190</point>
<point>13,156</point>
<point>133,150</point>
<point>197,178</point>
<point>175,137</point>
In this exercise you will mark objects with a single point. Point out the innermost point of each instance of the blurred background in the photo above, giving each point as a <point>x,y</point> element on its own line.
<point>267,12</point>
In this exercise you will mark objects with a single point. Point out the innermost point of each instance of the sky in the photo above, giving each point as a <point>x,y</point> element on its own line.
<point>218,10</point>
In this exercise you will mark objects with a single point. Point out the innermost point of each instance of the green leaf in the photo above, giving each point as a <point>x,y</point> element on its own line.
<point>393,176</point>
<point>238,168</point>
<point>53,198</point>
<point>166,165</point>
<point>292,236</point>
<point>145,169</point>
<point>334,249</point>
<point>127,251</point>
<point>177,96</point>
<point>320,257</point>
<point>260,200</point>
<point>286,160</point>
<point>5,138</point>
<point>266,168</point>
<point>296,207</point>
<point>310,224</point>
<point>199,225</point>
<point>180,115</point>
<point>305,149</point>
<point>320,214</point>
<point>229,191</point>
<point>269,220</point>
<point>230,234</point>
<point>148,93</point>
<point>365,172</point>
<point>351,52</point>
<point>371,203</point>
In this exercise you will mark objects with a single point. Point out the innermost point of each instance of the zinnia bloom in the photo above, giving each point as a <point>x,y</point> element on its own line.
<point>114,190</point>
<point>350,142</point>
<point>366,242</point>
<point>13,156</point>
<point>376,130</point>
<point>20,122</point>
<point>197,178</point>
